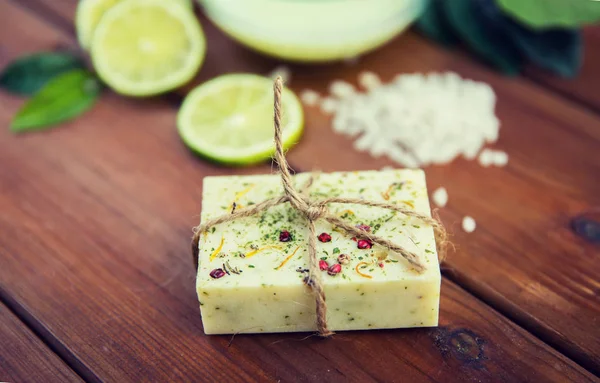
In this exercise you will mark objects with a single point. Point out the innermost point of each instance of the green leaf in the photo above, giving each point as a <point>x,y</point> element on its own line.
<point>483,40</point>
<point>434,25</point>
<point>63,98</point>
<point>552,13</point>
<point>28,74</point>
<point>558,50</point>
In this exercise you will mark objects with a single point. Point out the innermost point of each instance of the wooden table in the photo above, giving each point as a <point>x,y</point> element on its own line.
<point>96,281</point>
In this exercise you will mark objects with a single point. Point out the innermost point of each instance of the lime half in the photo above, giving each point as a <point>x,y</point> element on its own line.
<point>229,119</point>
<point>89,13</point>
<point>146,47</point>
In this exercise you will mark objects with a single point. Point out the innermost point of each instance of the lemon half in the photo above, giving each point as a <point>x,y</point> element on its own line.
<point>147,47</point>
<point>229,119</point>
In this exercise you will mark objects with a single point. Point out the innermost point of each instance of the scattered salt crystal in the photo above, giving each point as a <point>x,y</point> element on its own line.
<point>369,80</point>
<point>417,119</point>
<point>284,72</point>
<point>500,158</point>
<point>486,158</point>
<point>440,197</point>
<point>468,224</point>
<point>328,105</point>
<point>309,97</point>
<point>341,89</point>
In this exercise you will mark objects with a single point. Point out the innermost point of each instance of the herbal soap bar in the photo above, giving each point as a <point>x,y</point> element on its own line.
<point>251,270</point>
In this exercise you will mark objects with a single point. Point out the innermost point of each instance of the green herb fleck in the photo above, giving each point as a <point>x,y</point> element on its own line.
<point>416,226</point>
<point>212,230</point>
<point>323,258</point>
<point>361,190</point>
<point>251,266</point>
<point>336,250</point>
<point>428,251</point>
<point>360,258</point>
<point>325,252</point>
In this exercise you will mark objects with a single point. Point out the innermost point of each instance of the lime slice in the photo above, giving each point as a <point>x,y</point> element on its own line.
<point>146,47</point>
<point>229,119</point>
<point>89,13</point>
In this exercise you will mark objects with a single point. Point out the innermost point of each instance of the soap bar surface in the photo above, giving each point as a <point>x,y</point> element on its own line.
<point>250,281</point>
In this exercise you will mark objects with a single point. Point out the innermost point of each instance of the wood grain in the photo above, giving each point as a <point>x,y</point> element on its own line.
<point>23,356</point>
<point>94,227</point>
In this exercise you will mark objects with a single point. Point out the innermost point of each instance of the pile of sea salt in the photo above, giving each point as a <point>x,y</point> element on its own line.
<point>416,119</point>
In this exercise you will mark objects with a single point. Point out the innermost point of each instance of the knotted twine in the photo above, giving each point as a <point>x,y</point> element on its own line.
<point>314,210</point>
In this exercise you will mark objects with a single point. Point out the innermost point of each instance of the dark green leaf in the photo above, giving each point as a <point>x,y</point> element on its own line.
<point>434,25</point>
<point>484,40</point>
<point>63,98</point>
<point>552,13</point>
<point>28,74</point>
<point>558,50</point>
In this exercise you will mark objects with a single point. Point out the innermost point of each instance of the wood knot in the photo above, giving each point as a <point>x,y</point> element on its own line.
<point>587,225</point>
<point>463,344</point>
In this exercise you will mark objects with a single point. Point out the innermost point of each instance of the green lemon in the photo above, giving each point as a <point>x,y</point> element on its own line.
<point>89,13</point>
<point>147,47</point>
<point>229,119</point>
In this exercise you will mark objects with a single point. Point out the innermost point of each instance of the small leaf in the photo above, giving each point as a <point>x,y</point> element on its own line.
<point>552,13</point>
<point>558,50</point>
<point>28,74</point>
<point>434,25</point>
<point>63,98</point>
<point>483,39</point>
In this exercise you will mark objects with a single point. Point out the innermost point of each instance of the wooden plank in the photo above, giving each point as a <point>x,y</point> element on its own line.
<point>582,88</point>
<point>23,356</point>
<point>94,227</point>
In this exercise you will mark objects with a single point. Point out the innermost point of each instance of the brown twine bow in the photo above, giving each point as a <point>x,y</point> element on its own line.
<point>314,210</point>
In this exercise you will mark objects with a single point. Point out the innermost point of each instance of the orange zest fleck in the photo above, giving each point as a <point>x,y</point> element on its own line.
<point>386,194</point>
<point>239,195</point>
<point>358,271</point>
<point>216,252</point>
<point>287,259</point>
<point>254,252</point>
<point>409,203</point>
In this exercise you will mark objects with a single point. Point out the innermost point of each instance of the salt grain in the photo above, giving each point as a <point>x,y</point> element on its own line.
<point>486,158</point>
<point>440,197</point>
<point>309,97</point>
<point>369,80</point>
<point>328,105</point>
<point>500,158</point>
<point>341,89</point>
<point>468,224</point>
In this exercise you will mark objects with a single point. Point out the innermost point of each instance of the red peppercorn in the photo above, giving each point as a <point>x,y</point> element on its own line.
<point>324,237</point>
<point>354,239</point>
<point>323,265</point>
<point>285,236</point>
<point>381,264</point>
<point>364,244</point>
<point>334,269</point>
<point>363,227</point>
<point>217,273</point>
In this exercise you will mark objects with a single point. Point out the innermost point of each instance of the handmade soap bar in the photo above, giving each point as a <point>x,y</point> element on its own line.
<point>251,270</point>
